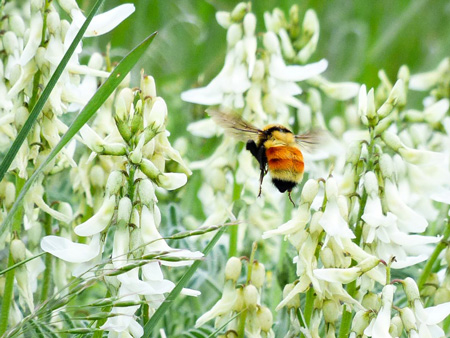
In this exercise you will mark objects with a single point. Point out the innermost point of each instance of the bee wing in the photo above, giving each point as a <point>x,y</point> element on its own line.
<point>234,125</point>
<point>312,139</point>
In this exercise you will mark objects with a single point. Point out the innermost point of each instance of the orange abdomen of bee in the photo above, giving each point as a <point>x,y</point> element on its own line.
<point>285,161</point>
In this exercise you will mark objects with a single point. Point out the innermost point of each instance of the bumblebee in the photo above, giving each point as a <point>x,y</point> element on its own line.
<point>275,147</point>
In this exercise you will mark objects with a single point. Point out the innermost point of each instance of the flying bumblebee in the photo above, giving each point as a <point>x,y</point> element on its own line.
<point>275,147</point>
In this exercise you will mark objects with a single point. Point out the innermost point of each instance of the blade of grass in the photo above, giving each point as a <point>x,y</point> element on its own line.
<point>11,154</point>
<point>89,110</point>
<point>149,327</point>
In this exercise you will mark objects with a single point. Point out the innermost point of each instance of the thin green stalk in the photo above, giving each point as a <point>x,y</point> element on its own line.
<point>47,278</point>
<point>434,256</point>
<point>243,316</point>
<point>9,276</point>
<point>309,305</point>
<point>346,321</point>
<point>233,229</point>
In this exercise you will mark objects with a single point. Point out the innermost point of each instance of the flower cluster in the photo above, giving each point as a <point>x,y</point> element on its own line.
<point>240,307</point>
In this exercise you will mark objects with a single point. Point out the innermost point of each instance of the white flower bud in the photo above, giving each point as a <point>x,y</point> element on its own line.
<point>149,169</point>
<point>146,191</point>
<point>37,5</point>
<point>268,22</point>
<point>10,43</point>
<point>392,140</point>
<point>371,114</point>
<point>331,188</point>
<point>233,269</point>
<point>397,97</point>
<point>17,25</point>
<point>311,30</point>
<point>234,34</point>
<point>371,301</point>
<point>309,191</point>
<point>249,24</point>
<point>258,274</point>
<point>404,74</point>
<point>411,289</point>
<point>18,250</point>
<point>9,194</point>
<point>371,183</point>
<point>135,155</point>
<point>97,176</point>
<point>157,116</point>
<point>41,60</point>
<point>286,45</point>
<point>271,43</point>
<point>68,5</point>
<point>127,95</point>
<point>408,319</point>
<point>238,13</point>
<point>265,318</point>
<point>53,22</point>
<point>331,311</point>
<point>250,296</point>
<point>360,322</point>
<point>124,210</point>
<point>171,181</point>
<point>396,327</point>
<point>239,304</point>
<point>148,86</point>
<point>114,183</point>
<point>223,19</point>
<point>386,166</point>
<point>327,257</point>
<point>315,100</point>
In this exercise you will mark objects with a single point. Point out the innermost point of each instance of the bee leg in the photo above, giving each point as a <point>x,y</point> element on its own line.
<point>290,197</point>
<point>262,159</point>
<point>261,178</point>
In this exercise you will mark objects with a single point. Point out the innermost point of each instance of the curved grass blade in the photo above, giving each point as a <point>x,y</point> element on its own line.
<point>149,327</point>
<point>11,154</point>
<point>88,111</point>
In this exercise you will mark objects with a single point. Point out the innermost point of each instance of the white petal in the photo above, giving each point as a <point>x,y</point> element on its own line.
<point>69,251</point>
<point>99,221</point>
<point>105,22</point>
<point>172,181</point>
<point>333,223</point>
<point>190,292</point>
<point>208,96</point>
<point>34,39</point>
<point>279,70</point>
<point>343,276</point>
<point>438,313</point>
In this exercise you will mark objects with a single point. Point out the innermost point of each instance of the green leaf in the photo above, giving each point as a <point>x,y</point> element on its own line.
<point>149,327</point>
<point>89,110</point>
<point>11,154</point>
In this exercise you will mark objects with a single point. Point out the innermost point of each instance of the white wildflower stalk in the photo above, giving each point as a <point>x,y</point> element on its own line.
<point>130,204</point>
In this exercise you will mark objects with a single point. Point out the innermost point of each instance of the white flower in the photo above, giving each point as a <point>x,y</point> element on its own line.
<point>99,221</point>
<point>223,306</point>
<point>379,327</point>
<point>332,221</point>
<point>69,251</point>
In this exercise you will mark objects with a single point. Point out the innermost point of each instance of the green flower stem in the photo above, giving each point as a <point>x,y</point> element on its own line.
<point>9,276</point>
<point>243,316</point>
<point>439,248</point>
<point>46,280</point>
<point>309,306</point>
<point>233,229</point>
<point>346,321</point>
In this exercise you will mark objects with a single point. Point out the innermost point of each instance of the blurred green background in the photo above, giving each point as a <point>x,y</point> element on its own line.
<point>357,38</point>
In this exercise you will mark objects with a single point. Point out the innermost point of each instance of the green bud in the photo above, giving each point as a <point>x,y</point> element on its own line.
<point>408,319</point>
<point>115,182</point>
<point>371,301</point>
<point>360,322</point>
<point>137,123</point>
<point>430,286</point>
<point>238,13</point>
<point>331,311</point>
<point>396,327</point>
<point>149,169</point>
<point>123,128</point>
<point>18,250</point>
<point>114,149</point>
